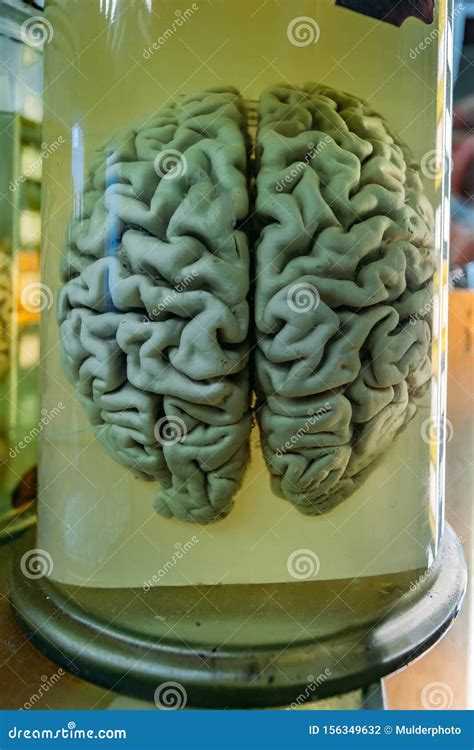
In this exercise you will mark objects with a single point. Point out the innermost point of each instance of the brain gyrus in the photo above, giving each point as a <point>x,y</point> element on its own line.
<point>327,231</point>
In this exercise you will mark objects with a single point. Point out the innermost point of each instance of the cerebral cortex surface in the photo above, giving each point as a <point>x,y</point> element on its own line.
<point>344,264</point>
<point>154,311</point>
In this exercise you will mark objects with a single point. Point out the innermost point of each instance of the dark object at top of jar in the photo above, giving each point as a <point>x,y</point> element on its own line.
<point>26,490</point>
<point>386,10</point>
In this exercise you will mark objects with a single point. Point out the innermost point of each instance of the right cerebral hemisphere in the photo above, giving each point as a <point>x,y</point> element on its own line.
<point>157,283</point>
<point>344,263</point>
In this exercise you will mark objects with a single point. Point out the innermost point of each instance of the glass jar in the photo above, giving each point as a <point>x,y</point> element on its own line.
<point>266,185</point>
<point>20,289</point>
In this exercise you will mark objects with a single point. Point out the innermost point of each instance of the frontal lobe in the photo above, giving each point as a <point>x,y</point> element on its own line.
<point>344,263</point>
<point>153,310</point>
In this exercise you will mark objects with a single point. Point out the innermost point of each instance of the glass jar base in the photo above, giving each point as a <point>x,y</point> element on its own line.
<point>246,646</point>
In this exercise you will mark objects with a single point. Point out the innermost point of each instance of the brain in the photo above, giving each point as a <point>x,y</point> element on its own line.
<point>331,240</point>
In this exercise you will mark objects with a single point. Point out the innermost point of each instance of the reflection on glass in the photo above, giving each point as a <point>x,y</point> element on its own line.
<point>179,202</point>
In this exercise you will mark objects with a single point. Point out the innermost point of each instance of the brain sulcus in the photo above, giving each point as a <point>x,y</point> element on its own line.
<point>326,235</point>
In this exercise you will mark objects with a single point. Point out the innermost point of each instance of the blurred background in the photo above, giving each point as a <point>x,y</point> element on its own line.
<point>20,239</point>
